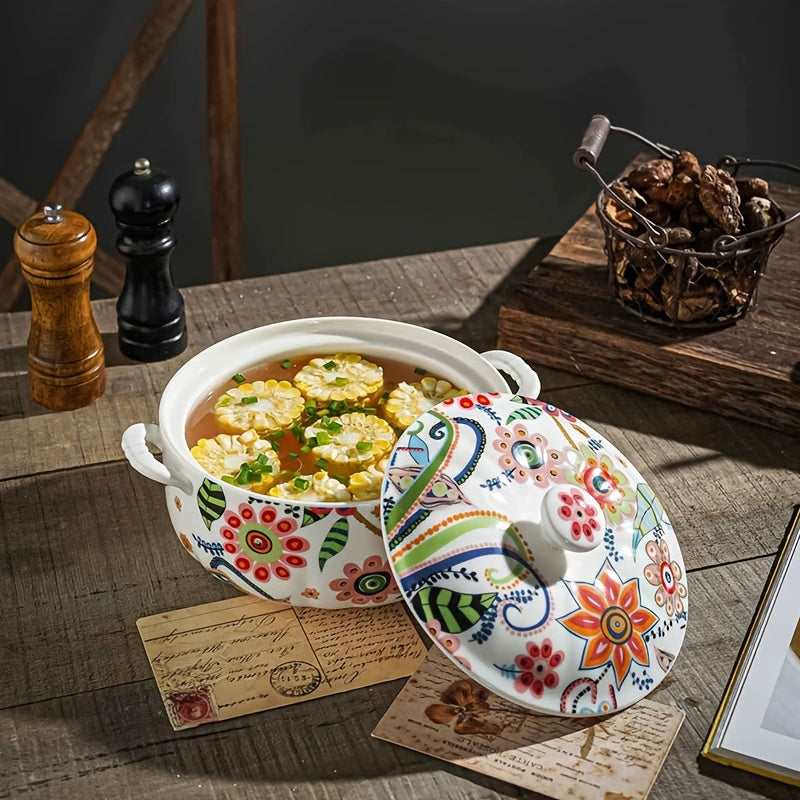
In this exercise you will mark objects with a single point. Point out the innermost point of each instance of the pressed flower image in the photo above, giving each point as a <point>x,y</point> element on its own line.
<point>465,708</point>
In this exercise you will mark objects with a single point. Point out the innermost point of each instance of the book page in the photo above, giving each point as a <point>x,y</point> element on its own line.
<point>442,712</point>
<point>234,657</point>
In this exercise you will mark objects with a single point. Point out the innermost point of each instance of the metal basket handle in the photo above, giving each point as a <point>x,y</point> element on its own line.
<point>591,146</point>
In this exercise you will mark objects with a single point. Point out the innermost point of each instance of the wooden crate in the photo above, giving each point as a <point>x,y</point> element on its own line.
<point>565,317</point>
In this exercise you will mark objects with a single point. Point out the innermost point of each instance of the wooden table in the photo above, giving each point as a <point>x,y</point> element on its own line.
<point>87,549</point>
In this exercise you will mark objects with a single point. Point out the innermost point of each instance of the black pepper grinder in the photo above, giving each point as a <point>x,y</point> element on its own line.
<point>150,314</point>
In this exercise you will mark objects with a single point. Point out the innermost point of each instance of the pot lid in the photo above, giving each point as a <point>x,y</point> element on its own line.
<point>534,554</point>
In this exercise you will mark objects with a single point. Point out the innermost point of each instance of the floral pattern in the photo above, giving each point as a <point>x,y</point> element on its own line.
<point>263,543</point>
<point>527,457</point>
<point>538,668</point>
<point>611,618</point>
<point>465,707</point>
<point>370,583</point>
<point>665,573</point>
<point>608,485</point>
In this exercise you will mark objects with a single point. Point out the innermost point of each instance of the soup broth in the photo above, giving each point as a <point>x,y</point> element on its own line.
<point>300,456</point>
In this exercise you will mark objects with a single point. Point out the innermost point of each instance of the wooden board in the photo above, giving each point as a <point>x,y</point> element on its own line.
<point>564,317</point>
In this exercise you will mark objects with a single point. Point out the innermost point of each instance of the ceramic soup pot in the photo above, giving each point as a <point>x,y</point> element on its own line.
<point>327,555</point>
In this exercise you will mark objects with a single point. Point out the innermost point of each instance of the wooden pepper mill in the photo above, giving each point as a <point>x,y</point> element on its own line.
<point>66,367</point>
<point>150,312</point>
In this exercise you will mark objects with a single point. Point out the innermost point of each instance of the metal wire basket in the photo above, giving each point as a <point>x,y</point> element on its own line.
<point>668,283</point>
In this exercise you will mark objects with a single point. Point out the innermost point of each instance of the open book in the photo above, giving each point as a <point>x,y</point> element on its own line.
<point>757,726</point>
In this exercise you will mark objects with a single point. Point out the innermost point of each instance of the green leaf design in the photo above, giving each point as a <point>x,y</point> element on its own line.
<point>312,515</point>
<point>335,541</point>
<point>455,612</point>
<point>210,501</point>
<point>649,513</point>
<point>526,412</point>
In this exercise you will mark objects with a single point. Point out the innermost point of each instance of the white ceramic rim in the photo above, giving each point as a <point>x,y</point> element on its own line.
<point>370,336</point>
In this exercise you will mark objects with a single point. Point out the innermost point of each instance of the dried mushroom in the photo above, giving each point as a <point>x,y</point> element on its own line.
<point>659,170</point>
<point>720,198</point>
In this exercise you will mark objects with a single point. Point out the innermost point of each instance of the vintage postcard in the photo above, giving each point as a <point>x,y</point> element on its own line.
<point>442,712</point>
<point>245,654</point>
<point>757,726</point>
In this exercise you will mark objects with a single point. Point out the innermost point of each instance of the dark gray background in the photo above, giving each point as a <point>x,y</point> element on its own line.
<point>376,128</point>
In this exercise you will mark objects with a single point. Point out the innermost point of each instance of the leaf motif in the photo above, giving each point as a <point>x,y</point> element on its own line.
<point>526,412</point>
<point>312,515</point>
<point>455,612</point>
<point>210,501</point>
<point>649,513</point>
<point>335,541</point>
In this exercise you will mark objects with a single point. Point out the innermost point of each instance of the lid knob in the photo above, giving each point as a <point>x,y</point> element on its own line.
<point>571,519</point>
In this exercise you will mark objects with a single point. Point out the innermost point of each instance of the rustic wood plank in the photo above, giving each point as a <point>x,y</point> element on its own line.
<point>222,78</point>
<point>104,122</point>
<point>103,737</point>
<point>565,317</point>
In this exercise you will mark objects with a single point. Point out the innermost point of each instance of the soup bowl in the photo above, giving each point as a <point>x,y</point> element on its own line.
<point>328,555</point>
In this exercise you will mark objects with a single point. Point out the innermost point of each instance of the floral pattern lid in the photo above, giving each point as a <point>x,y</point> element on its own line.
<point>535,554</point>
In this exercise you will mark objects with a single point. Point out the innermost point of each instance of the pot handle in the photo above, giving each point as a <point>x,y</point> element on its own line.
<point>134,444</point>
<point>525,377</point>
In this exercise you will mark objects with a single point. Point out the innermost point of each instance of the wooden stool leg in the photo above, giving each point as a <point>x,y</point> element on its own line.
<point>223,134</point>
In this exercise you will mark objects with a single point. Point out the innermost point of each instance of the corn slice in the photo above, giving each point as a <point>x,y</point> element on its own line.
<point>266,406</point>
<point>366,485</point>
<point>350,442</point>
<point>409,400</point>
<point>343,377</point>
<point>319,487</point>
<point>224,455</point>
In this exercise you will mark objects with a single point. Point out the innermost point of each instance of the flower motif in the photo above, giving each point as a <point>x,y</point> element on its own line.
<point>611,618</point>
<point>468,402</point>
<point>665,574</point>
<point>448,641</point>
<point>263,543</point>
<point>608,485</point>
<point>580,515</point>
<point>527,457</point>
<point>370,583</point>
<point>463,705</point>
<point>310,592</point>
<point>538,668</point>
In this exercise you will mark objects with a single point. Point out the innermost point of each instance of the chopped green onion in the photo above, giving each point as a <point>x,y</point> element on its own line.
<point>305,449</point>
<point>337,405</point>
<point>300,483</point>
<point>323,438</point>
<point>286,364</point>
<point>420,371</point>
<point>333,426</point>
<point>292,455</point>
<point>243,476</point>
<point>226,401</point>
<point>311,403</point>
<point>228,479</point>
<point>322,463</point>
<point>238,377</point>
<point>340,380</point>
<point>278,435</point>
<point>329,365</point>
<point>262,458</point>
<point>249,400</point>
<point>363,447</point>
<point>383,398</point>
